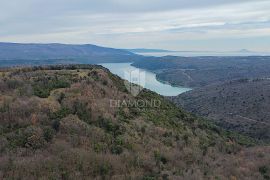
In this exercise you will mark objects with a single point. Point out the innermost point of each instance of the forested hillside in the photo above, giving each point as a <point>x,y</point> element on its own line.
<point>197,72</point>
<point>57,122</point>
<point>12,54</point>
<point>240,105</point>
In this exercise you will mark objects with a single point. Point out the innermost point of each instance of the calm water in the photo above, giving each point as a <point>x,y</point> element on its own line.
<point>144,78</point>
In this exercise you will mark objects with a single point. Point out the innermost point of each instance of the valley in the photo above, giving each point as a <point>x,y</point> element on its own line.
<point>57,111</point>
<point>135,90</point>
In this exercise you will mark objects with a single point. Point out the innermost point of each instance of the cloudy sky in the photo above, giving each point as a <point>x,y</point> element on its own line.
<point>218,25</point>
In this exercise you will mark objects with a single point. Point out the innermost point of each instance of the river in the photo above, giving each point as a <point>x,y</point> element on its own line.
<point>144,78</point>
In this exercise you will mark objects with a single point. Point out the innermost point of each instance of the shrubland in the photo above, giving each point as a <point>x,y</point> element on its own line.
<point>56,122</point>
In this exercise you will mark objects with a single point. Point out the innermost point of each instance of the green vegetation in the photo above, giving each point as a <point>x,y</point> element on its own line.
<point>80,109</point>
<point>43,87</point>
<point>73,133</point>
<point>63,112</point>
<point>240,106</point>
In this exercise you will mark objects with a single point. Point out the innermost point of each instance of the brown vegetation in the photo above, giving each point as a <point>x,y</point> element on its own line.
<point>240,105</point>
<point>57,123</point>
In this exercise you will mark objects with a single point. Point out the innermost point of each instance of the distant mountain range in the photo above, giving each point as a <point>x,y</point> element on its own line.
<point>13,54</point>
<point>163,52</point>
<point>245,51</point>
<point>86,53</point>
<point>143,50</point>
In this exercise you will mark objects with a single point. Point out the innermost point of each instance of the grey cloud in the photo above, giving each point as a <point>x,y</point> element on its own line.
<point>147,21</point>
<point>54,7</point>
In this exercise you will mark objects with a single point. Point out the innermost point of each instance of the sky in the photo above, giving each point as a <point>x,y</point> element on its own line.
<point>201,25</point>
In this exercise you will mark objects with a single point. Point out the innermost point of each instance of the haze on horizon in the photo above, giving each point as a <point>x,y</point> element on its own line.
<point>217,25</point>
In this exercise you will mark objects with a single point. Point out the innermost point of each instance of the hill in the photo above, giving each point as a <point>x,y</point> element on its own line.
<point>240,105</point>
<point>143,50</point>
<point>201,71</point>
<point>19,54</point>
<point>80,122</point>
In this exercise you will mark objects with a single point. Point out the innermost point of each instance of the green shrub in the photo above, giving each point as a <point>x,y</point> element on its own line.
<point>104,169</point>
<point>264,172</point>
<point>34,137</point>
<point>30,137</point>
<point>99,147</point>
<point>116,149</point>
<point>94,75</point>
<point>110,127</point>
<point>43,88</point>
<point>16,139</point>
<point>81,110</point>
<point>61,97</point>
<point>48,134</point>
<point>160,158</point>
<point>56,84</point>
<point>149,177</point>
<point>63,112</point>
<point>41,91</point>
<point>118,82</point>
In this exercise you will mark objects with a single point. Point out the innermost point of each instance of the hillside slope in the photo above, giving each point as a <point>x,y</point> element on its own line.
<point>240,105</point>
<point>201,71</point>
<point>58,122</point>
<point>18,54</point>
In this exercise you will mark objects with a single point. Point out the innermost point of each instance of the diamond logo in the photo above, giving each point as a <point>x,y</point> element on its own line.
<point>135,81</point>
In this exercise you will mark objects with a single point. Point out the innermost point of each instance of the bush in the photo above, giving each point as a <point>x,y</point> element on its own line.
<point>61,97</point>
<point>160,158</point>
<point>13,84</point>
<point>105,83</point>
<point>5,107</point>
<point>149,177</point>
<point>56,84</point>
<point>264,172</point>
<point>99,147</point>
<point>80,109</point>
<point>110,127</point>
<point>41,91</point>
<point>30,137</point>
<point>94,75</point>
<point>43,88</point>
<point>72,125</point>
<point>63,112</point>
<point>104,169</point>
<point>116,149</point>
<point>34,137</point>
<point>56,125</point>
<point>48,134</point>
